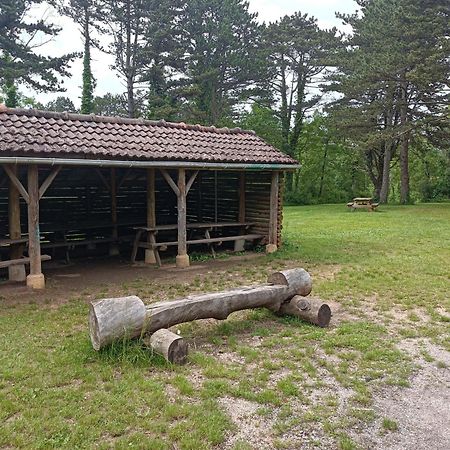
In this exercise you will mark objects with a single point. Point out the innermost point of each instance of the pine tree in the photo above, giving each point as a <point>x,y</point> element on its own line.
<point>221,39</point>
<point>19,63</point>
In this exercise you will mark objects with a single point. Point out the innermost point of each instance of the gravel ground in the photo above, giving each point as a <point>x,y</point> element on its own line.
<point>422,411</point>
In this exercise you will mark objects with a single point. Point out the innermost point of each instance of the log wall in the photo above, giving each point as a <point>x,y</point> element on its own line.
<point>78,203</point>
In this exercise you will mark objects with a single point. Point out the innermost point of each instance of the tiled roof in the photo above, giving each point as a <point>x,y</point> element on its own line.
<point>29,132</point>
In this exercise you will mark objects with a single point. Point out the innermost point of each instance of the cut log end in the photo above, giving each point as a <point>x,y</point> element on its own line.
<point>298,280</point>
<point>172,347</point>
<point>324,316</point>
<point>311,310</point>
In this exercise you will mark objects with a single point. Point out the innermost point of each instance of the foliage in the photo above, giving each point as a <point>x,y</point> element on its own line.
<point>110,105</point>
<point>20,63</point>
<point>220,38</point>
<point>60,104</point>
<point>330,172</point>
<point>392,89</point>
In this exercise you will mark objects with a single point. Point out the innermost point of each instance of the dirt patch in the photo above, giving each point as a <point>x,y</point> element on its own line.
<point>251,428</point>
<point>420,411</point>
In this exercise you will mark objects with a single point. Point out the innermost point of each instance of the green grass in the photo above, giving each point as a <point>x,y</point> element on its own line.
<point>388,270</point>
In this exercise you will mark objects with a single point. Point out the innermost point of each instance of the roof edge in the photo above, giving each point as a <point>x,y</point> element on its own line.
<point>31,112</point>
<point>145,164</point>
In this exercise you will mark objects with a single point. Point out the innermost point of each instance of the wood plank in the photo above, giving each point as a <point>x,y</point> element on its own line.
<point>21,261</point>
<point>113,193</point>
<point>248,237</point>
<point>9,242</point>
<point>19,186</point>
<point>197,226</point>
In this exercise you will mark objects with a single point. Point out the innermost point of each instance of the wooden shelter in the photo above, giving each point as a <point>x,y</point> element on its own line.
<point>70,181</point>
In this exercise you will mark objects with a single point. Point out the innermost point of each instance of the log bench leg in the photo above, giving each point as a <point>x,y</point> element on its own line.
<point>137,239</point>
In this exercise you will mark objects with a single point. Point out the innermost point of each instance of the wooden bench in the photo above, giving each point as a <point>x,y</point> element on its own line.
<point>362,202</point>
<point>21,261</point>
<point>151,243</point>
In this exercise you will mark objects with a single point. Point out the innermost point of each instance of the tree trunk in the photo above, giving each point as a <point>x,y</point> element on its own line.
<point>386,174</point>
<point>114,319</point>
<point>404,145</point>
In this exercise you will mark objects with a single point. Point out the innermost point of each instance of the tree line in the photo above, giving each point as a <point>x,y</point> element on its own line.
<point>365,112</point>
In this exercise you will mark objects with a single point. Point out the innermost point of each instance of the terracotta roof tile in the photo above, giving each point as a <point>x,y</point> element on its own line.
<point>41,133</point>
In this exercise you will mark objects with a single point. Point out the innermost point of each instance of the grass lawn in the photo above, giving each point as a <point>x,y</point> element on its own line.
<point>254,380</point>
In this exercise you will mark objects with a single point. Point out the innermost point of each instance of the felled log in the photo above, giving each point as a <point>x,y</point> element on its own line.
<point>310,309</point>
<point>172,347</point>
<point>128,317</point>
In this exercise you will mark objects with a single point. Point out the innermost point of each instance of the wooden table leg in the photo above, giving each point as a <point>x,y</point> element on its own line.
<point>211,246</point>
<point>152,240</point>
<point>137,239</point>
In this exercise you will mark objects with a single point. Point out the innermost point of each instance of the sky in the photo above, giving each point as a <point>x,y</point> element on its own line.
<point>69,40</point>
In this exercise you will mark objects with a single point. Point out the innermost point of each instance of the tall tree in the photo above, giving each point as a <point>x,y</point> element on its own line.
<point>392,77</point>
<point>298,53</point>
<point>19,62</point>
<point>83,13</point>
<point>137,31</point>
<point>221,40</point>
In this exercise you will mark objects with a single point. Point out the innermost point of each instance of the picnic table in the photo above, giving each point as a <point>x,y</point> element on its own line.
<point>362,202</point>
<point>206,228</point>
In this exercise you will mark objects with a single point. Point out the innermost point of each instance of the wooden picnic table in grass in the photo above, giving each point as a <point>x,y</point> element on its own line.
<point>150,233</point>
<point>362,202</point>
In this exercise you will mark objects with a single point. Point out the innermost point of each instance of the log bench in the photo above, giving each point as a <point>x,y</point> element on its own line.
<point>20,261</point>
<point>152,244</point>
<point>362,202</point>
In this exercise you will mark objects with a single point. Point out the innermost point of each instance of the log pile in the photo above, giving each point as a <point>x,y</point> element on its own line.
<point>115,319</point>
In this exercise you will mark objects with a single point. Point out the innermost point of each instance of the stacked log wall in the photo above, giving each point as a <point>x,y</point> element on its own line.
<point>78,202</point>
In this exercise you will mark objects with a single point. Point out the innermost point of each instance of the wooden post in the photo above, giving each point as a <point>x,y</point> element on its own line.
<point>239,245</point>
<point>182,258</point>
<point>150,257</point>
<point>16,273</point>
<point>114,249</point>
<point>273,223</point>
<point>36,278</point>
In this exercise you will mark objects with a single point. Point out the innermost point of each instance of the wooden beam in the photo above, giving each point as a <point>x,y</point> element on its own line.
<point>16,272</point>
<point>182,257</point>
<point>35,279</point>
<point>19,186</point>
<point>122,180</point>
<point>171,183</point>
<point>241,217</point>
<point>113,192</point>
<point>191,181</point>
<point>273,222</point>
<point>151,255</point>
<point>48,181</point>
<point>104,180</point>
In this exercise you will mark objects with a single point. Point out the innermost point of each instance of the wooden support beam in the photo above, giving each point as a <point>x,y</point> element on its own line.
<point>191,181</point>
<point>16,272</point>
<point>151,256</point>
<point>123,179</point>
<point>36,279</point>
<point>19,186</point>
<point>171,183</point>
<point>241,217</point>
<point>114,248</point>
<point>182,258</point>
<point>48,181</point>
<point>104,180</point>
<point>239,246</point>
<point>273,222</point>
